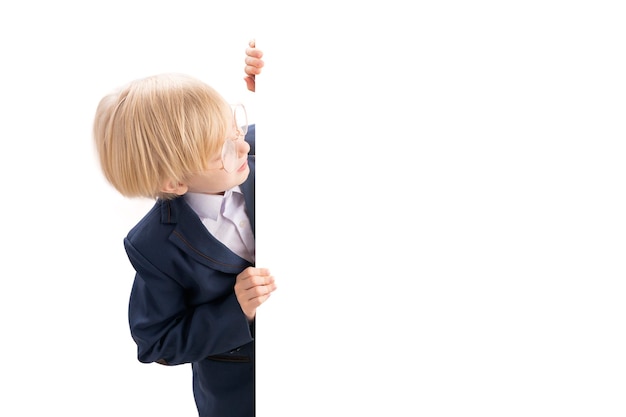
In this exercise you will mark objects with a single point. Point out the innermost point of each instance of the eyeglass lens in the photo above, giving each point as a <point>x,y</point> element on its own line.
<point>240,118</point>
<point>229,150</point>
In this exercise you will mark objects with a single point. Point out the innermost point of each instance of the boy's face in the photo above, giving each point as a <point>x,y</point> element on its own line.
<point>215,179</point>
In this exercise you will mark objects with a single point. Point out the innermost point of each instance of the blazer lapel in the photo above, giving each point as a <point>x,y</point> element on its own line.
<point>193,238</point>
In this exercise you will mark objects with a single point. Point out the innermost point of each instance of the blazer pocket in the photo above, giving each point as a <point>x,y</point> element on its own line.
<point>229,357</point>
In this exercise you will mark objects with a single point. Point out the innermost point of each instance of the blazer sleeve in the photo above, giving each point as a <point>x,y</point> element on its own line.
<point>169,331</point>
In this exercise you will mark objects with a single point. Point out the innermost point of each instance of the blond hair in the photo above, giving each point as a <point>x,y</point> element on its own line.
<point>159,128</point>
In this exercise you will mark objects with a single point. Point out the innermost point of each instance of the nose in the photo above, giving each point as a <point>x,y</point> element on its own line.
<point>243,148</point>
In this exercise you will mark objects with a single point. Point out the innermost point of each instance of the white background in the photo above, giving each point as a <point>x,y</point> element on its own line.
<point>440,196</point>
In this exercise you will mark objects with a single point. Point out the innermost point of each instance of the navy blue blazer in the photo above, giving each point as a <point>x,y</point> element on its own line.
<point>183,308</point>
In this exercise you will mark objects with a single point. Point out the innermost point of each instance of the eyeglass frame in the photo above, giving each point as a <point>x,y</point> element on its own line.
<point>229,148</point>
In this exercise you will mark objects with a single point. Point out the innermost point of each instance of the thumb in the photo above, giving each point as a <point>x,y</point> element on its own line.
<point>250,83</point>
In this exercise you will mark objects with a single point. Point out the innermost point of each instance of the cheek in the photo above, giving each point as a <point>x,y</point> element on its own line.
<point>202,183</point>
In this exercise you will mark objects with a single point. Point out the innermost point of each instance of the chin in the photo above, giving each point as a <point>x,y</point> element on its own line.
<point>245,174</point>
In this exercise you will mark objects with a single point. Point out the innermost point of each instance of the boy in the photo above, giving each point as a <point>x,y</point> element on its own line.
<point>196,289</point>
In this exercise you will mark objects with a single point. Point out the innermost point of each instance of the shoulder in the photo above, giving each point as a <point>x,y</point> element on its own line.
<point>149,244</point>
<point>159,222</point>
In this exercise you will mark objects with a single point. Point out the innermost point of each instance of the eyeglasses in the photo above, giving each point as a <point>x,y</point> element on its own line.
<point>240,127</point>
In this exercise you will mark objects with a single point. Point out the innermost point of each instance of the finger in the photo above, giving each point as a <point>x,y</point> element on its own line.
<point>252,43</point>
<point>252,71</point>
<point>271,287</point>
<point>252,271</point>
<point>254,53</point>
<point>254,62</point>
<point>258,301</point>
<point>256,294</point>
<point>255,285</point>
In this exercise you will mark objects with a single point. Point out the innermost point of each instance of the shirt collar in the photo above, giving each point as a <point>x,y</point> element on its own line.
<point>209,206</point>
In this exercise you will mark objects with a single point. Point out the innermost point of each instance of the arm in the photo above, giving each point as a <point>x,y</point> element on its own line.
<point>168,330</point>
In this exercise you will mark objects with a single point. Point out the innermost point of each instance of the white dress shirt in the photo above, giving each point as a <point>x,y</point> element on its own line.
<point>225,218</point>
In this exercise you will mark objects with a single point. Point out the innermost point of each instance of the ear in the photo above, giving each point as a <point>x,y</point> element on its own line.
<point>174,187</point>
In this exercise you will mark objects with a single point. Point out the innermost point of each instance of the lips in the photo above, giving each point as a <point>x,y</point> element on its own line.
<point>243,166</point>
